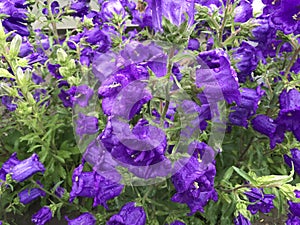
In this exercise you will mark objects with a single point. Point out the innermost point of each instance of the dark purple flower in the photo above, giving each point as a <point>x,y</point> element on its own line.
<point>286,16</point>
<point>111,8</point>
<point>37,79</point>
<point>54,70</point>
<point>289,114</point>
<point>12,24</point>
<point>177,222</point>
<point>81,7</point>
<point>54,8</point>
<point>28,195</point>
<point>241,220</point>
<point>83,95</point>
<point>193,44</point>
<point>42,216</point>
<point>247,60</point>
<point>129,215</point>
<point>259,201</point>
<point>84,218</point>
<point>8,165</point>
<point>68,97</point>
<point>247,107</point>
<point>86,56</point>
<point>83,184</point>
<point>218,75</point>
<point>194,182</point>
<point>295,159</point>
<point>59,191</point>
<point>99,37</point>
<point>294,215</point>
<point>27,168</point>
<point>267,126</point>
<point>7,102</point>
<point>243,12</point>
<point>25,49</point>
<point>292,220</point>
<point>172,10</point>
<point>86,125</point>
<point>74,39</point>
<point>143,19</point>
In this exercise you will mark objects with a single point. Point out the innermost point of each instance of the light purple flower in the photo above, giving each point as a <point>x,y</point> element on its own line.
<point>27,168</point>
<point>83,95</point>
<point>28,195</point>
<point>42,216</point>
<point>241,220</point>
<point>86,125</point>
<point>129,215</point>
<point>85,218</point>
<point>111,8</point>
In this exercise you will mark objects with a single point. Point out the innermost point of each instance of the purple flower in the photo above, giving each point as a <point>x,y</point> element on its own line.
<point>68,97</point>
<point>54,8</point>
<point>25,49</point>
<point>42,216</point>
<point>194,182</point>
<point>83,95</point>
<point>259,201</point>
<point>294,215</point>
<point>295,159</point>
<point>218,74</point>
<point>59,191</point>
<point>289,114</point>
<point>8,165</point>
<point>241,220</point>
<point>17,25</point>
<point>111,8</point>
<point>7,102</point>
<point>28,195</point>
<point>243,12</point>
<point>193,44</point>
<point>85,218</point>
<point>37,79</point>
<point>54,70</point>
<point>86,56</point>
<point>42,41</point>
<point>81,7</point>
<point>247,107</point>
<point>173,11</point>
<point>27,168</point>
<point>94,36</point>
<point>177,222</point>
<point>129,215</point>
<point>74,39</point>
<point>93,185</point>
<point>83,184</point>
<point>267,126</point>
<point>86,125</point>
<point>286,16</point>
<point>247,60</point>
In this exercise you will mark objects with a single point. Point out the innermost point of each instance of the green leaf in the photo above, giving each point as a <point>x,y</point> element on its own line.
<point>244,175</point>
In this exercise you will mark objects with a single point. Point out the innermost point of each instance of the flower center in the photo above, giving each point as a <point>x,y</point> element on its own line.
<point>296,16</point>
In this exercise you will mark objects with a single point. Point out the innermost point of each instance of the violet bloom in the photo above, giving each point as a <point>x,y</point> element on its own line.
<point>25,49</point>
<point>74,39</point>
<point>247,60</point>
<point>80,7</point>
<point>7,101</point>
<point>267,126</point>
<point>194,182</point>
<point>111,8</point>
<point>37,79</point>
<point>12,24</point>
<point>241,220</point>
<point>289,114</point>
<point>8,165</point>
<point>42,41</point>
<point>295,159</point>
<point>83,184</point>
<point>247,107</point>
<point>243,12</point>
<point>177,222</point>
<point>84,218</point>
<point>83,95</point>
<point>286,16</point>
<point>259,201</point>
<point>129,215</point>
<point>27,168</point>
<point>218,74</point>
<point>68,97</point>
<point>28,195</point>
<point>42,216</point>
<point>59,191</point>
<point>294,215</point>
<point>193,44</point>
<point>173,10</point>
<point>54,8</point>
<point>86,125</point>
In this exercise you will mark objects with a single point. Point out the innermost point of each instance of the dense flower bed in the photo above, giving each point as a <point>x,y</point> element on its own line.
<point>150,112</point>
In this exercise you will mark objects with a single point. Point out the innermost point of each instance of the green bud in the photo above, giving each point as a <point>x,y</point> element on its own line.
<point>30,98</point>
<point>61,56</point>
<point>73,81</point>
<point>8,178</point>
<point>88,22</point>
<point>23,79</point>
<point>15,46</point>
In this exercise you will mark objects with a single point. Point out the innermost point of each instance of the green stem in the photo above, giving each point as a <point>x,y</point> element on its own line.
<point>293,60</point>
<point>221,30</point>
<point>53,23</point>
